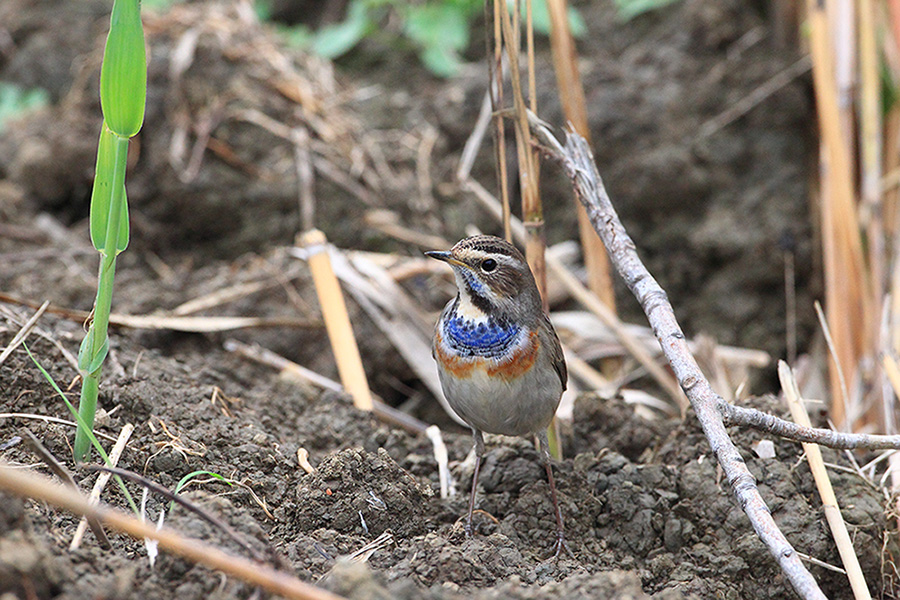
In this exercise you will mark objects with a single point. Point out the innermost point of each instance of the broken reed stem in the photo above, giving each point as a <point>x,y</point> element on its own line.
<point>532,213</point>
<point>34,486</point>
<point>848,296</point>
<point>578,164</point>
<point>101,482</point>
<point>823,484</point>
<point>571,97</point>
<point>337,321</point>
<point>496,91</point>
<point>870,138</point>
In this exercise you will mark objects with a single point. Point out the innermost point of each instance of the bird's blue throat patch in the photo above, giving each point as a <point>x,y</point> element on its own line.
<point>489,338</point>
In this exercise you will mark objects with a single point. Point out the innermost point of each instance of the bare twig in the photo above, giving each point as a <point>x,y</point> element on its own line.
<point>749,417</point>
<point>280,583</point>
<point>578,164</point>
<point>755,98</point>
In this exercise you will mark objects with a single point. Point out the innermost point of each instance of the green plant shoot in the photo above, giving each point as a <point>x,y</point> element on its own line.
<point>123,92</point>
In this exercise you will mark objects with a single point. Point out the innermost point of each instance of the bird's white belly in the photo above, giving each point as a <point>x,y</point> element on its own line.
<point>494,397</point>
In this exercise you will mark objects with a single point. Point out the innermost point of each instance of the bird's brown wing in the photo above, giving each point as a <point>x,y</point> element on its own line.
<point>556,353</point>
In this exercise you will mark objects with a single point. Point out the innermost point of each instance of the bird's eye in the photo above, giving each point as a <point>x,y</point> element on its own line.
<point>488,265</point>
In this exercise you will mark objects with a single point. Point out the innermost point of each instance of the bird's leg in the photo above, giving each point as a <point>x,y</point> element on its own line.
<point>479,452</point>
<point>560,530</point>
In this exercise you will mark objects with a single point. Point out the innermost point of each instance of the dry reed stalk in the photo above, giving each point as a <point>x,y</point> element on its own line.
<point>823,484</point>
<point>891,193</point>
<point>496,91</point>
<point>842,26</point>
<point>571,96</point>
<point>532,212</point>
<point>29,485</point>
<point>870,137</point>
<point>848,294</point>
<point>894,11</point>
<point>337,321</point>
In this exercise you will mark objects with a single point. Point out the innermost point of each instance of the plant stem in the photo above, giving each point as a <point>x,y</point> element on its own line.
<point>87,404</point>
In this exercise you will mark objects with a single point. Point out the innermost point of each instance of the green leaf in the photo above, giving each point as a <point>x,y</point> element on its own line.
<point>438,26</point>
<point>86,362</point>
<point>629,9</point>
<point>332,41</point>
<point>540,17</point>
<point>82,426</point>
<point>102,196</point>
<point>184,480</point>
<point>576,23</point>
<point>443,62</point>
<point>15,100</point>
<point>123,74</point>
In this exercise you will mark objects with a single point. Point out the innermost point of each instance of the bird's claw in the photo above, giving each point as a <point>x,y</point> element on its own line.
<point>559,546</point>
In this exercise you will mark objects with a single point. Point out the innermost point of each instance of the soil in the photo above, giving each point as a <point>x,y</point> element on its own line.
<point>647,512</point>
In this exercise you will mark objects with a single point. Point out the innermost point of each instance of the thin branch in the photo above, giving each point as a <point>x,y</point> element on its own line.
<point>750,417</point>
<point>578,163</point>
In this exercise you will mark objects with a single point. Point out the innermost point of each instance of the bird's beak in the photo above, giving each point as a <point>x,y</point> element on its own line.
<point>445,256</point>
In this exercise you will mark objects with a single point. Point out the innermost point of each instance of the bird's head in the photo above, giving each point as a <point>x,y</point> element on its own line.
<point>493,277</point>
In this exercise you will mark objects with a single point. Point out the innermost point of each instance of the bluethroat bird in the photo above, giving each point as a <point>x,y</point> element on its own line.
<point>499,359</point>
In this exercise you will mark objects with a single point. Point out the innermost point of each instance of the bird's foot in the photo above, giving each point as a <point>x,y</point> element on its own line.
<point>559,546</point>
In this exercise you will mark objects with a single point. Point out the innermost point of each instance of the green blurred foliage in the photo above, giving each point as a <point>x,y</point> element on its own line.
<point>15,100</point>
<point>629,9</point>
<point>439,30</point>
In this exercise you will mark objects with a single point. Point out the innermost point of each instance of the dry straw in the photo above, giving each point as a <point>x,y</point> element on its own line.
<point>823,484</point>
<point>337,321</point>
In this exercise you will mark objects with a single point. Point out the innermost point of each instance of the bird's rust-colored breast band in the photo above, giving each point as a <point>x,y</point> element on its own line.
<point>519,362</point>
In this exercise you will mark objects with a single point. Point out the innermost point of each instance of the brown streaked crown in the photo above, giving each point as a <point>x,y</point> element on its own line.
<point>487,244</point>
<point>511,276</point>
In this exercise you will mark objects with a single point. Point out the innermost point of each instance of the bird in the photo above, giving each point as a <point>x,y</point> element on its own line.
<point>499,360</point>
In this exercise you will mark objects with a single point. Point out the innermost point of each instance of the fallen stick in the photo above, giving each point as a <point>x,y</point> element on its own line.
<point>38,487</point>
